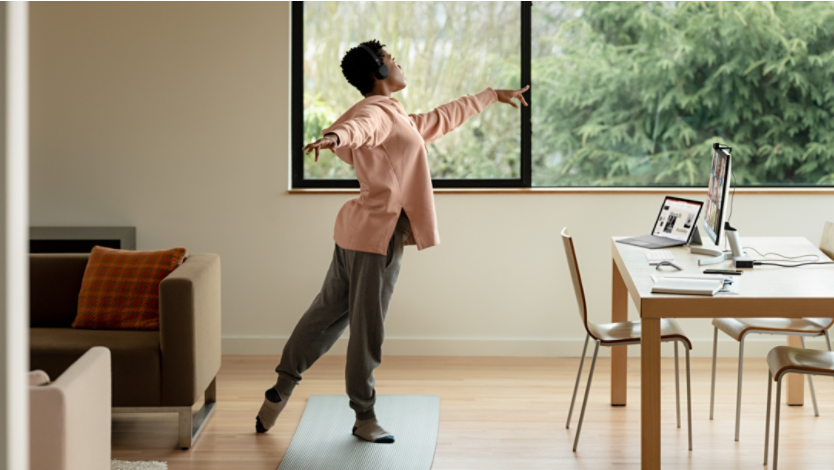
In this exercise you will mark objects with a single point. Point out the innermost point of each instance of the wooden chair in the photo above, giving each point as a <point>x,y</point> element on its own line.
<point>620,334</point>
<point>739,328</point>
<point>783,360</point>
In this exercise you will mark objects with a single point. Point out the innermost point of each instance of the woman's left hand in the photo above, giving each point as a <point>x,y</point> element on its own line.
<point>506,96</point>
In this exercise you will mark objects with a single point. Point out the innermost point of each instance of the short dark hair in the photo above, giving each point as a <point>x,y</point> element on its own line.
<point>358,66</point>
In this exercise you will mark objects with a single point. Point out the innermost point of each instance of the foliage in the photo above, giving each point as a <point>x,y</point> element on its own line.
<point>446,49</point>
<point>624,93</point>
<point>628,93</point>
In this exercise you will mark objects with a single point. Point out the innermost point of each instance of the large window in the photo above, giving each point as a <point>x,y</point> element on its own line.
<point>623,93</point>
<point>446,49</point>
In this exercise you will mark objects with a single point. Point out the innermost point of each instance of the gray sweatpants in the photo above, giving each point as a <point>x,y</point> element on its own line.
<point>356,292</point>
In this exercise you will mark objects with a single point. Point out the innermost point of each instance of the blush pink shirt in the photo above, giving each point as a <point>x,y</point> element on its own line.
<point>387,148</point>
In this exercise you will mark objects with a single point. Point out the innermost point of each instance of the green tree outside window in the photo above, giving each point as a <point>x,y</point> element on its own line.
<point>446,49</point>
<point>634,93</point>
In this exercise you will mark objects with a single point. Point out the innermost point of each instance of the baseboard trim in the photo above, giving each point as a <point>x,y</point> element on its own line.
<point>393,346</point>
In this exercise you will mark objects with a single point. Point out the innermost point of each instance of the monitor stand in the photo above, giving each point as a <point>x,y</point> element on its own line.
<point>719,256</point>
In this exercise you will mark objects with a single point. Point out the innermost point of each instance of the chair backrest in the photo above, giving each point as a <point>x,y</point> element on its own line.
<point>827,247</point>
<point>576,278</point>
<point>827,242</point>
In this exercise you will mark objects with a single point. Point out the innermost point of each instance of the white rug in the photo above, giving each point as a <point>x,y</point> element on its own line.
<point>123,465</point>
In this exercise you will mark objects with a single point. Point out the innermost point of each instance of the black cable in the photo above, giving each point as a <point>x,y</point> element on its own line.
<point>759,263</point>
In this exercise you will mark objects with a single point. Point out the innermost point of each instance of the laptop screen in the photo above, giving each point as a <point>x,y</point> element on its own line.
<point>677,218</point>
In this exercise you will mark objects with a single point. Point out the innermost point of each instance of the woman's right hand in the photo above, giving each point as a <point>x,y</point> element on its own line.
<point>329,141</point>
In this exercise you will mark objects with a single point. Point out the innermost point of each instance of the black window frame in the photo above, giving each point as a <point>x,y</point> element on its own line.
<point>297,118</point>
<point>526,177</point>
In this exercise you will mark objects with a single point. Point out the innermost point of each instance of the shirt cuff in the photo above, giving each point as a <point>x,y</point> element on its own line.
<point>488,96</point>
<point>339,138</point>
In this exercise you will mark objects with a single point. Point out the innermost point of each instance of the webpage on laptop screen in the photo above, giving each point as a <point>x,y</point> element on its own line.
<point>676,219</point>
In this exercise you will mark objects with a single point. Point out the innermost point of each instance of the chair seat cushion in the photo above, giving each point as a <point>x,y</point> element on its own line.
<point>783,359</point>
<point>135,357</point>
<point>629,332</point>
<point>736,327</point>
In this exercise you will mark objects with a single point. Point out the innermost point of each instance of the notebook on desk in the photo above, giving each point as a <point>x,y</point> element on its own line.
<point>690,285</point>
<point>687,286</point>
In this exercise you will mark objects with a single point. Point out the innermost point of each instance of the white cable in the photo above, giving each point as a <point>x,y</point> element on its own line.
<point>764,256</point>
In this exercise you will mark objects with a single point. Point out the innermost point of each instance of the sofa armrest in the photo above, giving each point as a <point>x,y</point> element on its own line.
<point>38,377</point>
<point>69,420</point>
<point>189,327</point>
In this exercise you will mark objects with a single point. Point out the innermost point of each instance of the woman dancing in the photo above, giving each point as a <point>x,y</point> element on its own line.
<point>387,148</point>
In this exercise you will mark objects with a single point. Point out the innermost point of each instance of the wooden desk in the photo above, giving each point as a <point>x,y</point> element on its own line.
<point>766,291</point>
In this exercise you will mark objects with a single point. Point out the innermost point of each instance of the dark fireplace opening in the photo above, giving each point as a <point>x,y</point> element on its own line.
<point>80,239</point>
<point>70,246</point>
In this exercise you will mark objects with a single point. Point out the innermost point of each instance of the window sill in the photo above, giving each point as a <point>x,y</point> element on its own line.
<point>825,190</point>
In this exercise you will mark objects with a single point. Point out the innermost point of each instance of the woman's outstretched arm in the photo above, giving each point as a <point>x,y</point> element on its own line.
<point>369,127</point>
<point>448,117</point>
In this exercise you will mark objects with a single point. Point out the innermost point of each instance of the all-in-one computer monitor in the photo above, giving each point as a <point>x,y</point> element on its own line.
<point>719,187</point>
<point>715,210</point>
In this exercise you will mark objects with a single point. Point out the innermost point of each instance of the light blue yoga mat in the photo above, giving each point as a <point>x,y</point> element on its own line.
<point>323,440</point>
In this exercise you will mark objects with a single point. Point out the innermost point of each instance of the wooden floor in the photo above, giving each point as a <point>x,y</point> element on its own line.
<point>503,413</point>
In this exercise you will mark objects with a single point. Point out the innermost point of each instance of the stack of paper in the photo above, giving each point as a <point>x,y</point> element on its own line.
<point>696,285</point>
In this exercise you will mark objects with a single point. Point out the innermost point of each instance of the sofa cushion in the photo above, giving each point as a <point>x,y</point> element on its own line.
<point>54,284</point>
<point>120,290</point>
<point>135,358</point>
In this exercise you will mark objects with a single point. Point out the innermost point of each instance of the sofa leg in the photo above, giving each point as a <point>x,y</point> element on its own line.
<point>211,392</point>
<point>192,425</point>
<point>186,424</point>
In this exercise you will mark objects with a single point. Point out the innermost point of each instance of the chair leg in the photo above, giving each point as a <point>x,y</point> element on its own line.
<point>738,393</point>
<point>578,375</point>
<point>688,398</point>
<point>811,385</point>
<point>828,340</point>
<point>677,386</point>
<point>776,427</point>
<point>585,401</point>
<point>712,384</point>
<point>767,415</point>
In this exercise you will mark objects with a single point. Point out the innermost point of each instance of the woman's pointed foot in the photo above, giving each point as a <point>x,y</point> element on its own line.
<point>273,404</point>
<point>371,431</point>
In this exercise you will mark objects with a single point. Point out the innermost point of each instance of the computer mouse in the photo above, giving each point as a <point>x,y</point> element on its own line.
<point>668,263</point>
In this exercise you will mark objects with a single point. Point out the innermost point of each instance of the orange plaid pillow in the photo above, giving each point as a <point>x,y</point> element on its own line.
<point>120,289</point>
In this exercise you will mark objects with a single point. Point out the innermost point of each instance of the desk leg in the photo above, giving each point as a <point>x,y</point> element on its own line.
<point>796,384</point>
<point>619,354</point>
<point>650,394</point>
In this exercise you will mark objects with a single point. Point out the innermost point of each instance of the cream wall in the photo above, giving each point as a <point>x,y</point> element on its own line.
<point>173,117</point>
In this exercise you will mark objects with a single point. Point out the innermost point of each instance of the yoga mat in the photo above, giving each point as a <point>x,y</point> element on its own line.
<point>323,440</point>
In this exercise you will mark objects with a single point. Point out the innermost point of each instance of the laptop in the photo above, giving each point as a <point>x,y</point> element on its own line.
<point>675,225</point>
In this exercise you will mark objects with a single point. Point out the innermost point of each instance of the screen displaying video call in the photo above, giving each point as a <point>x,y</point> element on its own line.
<point>718,173</point>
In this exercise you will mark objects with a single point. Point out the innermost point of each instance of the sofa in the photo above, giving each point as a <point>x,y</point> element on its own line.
<point>69,419</point>
<point>164,371</point>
